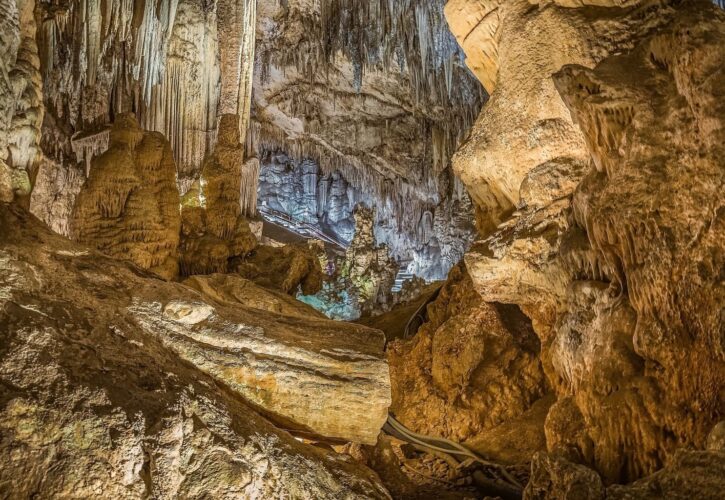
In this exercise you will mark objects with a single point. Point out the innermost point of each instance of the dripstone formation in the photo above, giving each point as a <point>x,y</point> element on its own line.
<point>186,186</point>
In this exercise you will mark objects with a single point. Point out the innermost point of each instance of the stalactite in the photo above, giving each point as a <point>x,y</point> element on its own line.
<point>153,37</point>
<point>183,106</point>
<point>246,65</point>
<point>87,147</point>
<point>413,34</point>
<point>248,193</point>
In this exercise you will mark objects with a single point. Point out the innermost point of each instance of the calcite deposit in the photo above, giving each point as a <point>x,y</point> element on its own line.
<point>616,242</point>
<point>95,401</point>
<point>129,206</point>
<point>278,362</point>
<point>214,229</point>
<point>524,195</point>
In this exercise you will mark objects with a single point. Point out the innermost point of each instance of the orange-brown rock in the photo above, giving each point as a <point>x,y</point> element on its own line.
<point>309,374</point>
<point>95,401</point>
<point>615,248</point>
<point>214,230</point>
<point>471,367</point>
<point>129,206</point>
<point>232,289</point>
<point>290,268</point>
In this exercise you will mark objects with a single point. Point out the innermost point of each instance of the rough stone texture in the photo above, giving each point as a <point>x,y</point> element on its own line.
<point>168,61</point>
<point>327,201</point>
<point>213,229</point>
<point>181,64</point>
<point>230,289</point>
<point>358,283</point>
<point>690,474</point>
<point>651,209</point>
<point>129,206</point>
<point>21,106</point>
<point>376,93</point>
<point>290,268</point>
<point>620,275</point>
<point>368,266</point>
<point>310,375</point>
<point>471,367</point>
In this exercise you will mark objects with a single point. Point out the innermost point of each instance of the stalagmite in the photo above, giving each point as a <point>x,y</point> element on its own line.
<point>129,206</point>
<point>214,229</point>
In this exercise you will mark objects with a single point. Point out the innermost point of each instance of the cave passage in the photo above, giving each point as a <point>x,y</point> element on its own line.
<point>374,249</point>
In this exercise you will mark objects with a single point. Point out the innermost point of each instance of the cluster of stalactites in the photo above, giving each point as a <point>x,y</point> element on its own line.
<point>398,200</point>
<point>166,60</point>
<point>410,36</point>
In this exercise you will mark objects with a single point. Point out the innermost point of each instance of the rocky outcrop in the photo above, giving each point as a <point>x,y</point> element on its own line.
<point>129,206</point>
<point>689,474</point>
<point>368,266</point>
<point>358,283</point>
<point>613,249</point>
<point>230,289</point>
<point>87,386</point>
<point>290,268</point>
<point>471,367</point>
<point>308,374</point>
<point>649,209</point>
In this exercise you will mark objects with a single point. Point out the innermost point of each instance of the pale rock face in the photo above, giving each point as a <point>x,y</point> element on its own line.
<point>230,289</point>
<point>524,124</point>
<point>614,250</point>
<point>174,63</point>
<point>21,106</point>
<point>308,374</point>
<point>327,201</point>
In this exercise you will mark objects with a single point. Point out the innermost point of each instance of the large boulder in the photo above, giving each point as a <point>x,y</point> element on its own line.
<point>113,382</point>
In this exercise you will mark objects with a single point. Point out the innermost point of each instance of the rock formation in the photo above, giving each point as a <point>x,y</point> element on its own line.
<point>327,201</point>
<point>301,371</point>
<point>129,206</point>
<point>615,243</point>
<point>471,367</point>
<point>291,268</point>
<point>578,349</point>
<point>91,383</point>
<point>367,265</point>
<point>21,106</point>
<point>360,282</point>
<point>174,63</point>
<point>380,96</point>
<point>213,229</point>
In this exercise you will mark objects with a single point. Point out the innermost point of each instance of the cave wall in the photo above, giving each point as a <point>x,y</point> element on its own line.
<point>177,64</point>
<point>386,114</point>
<point>613,246</point>
<point>373,93</point>
<point>301,190</point>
